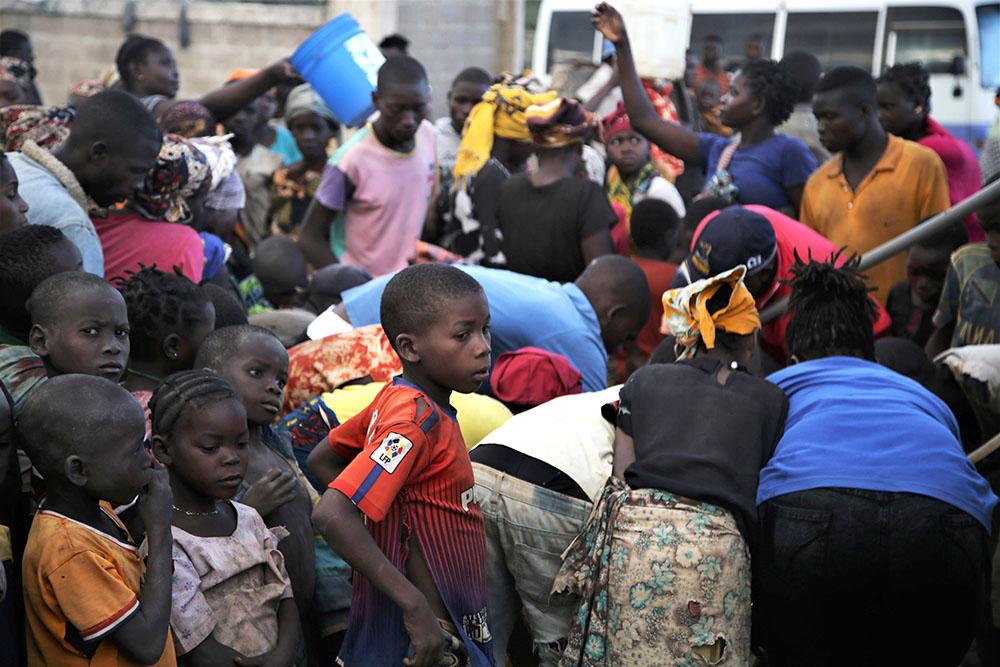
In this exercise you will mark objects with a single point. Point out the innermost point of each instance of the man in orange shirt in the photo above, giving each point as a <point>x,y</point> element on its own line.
<point>876,186</point>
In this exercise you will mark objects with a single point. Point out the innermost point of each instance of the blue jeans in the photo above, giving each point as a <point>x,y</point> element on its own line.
<point>856,577</point>
<point>527,529</point>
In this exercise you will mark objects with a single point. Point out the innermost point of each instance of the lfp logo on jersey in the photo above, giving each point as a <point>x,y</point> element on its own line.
<point>392,450</point>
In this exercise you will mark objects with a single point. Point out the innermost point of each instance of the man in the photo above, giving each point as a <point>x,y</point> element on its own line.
<point>383,181</point>
<point>466,91</point>
<point>766,242</point>
<point>877,186</point>
<point>110,149</point>
<point>709,67</point>
<point>537,477</point>
<point>805,70</point>
<point>582,321</point>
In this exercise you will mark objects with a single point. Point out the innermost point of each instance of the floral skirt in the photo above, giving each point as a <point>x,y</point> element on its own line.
<point>662,581</point>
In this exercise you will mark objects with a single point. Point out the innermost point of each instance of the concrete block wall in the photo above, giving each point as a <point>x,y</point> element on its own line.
<point>77,39</point>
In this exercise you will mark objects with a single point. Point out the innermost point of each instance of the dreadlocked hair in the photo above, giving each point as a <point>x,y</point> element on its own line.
<point>159,304</point>
<point>183,392</point>
<point>832,313</point>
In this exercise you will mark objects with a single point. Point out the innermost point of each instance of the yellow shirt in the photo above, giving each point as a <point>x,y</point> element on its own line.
<point>80,585</point>
<point>478,415</point>
<point>906,186</point>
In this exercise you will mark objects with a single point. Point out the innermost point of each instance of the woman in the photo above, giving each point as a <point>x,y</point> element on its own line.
<point>314,126</point>
<point>495,144</point>
<point>662,566</point>
<point>904,107</point>
<point>147,69</point>
<point>875,526</point>
<point>554,223</point>
<point>146,232</point>
<point>762,167</point>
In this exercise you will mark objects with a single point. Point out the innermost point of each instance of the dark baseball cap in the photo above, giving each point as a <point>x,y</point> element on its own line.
<point>735,236</point>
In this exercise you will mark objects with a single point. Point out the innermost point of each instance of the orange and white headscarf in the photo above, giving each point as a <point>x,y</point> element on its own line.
<point>686,316</point>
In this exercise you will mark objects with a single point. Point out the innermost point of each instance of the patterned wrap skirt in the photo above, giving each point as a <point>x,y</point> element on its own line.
<point>663,581</point>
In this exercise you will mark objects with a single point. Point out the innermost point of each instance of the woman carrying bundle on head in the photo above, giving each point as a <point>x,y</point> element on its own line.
<point>663,565</point>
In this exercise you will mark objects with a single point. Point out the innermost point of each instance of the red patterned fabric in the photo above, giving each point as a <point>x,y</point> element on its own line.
<point>669,166</point>
<point>319,366</point>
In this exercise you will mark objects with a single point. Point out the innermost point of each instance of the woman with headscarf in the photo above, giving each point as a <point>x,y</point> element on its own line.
<point>495,144</point>
<point>146,231</point>
<point>555,221</point>
<point>314,126</point>
<point>663,565</point>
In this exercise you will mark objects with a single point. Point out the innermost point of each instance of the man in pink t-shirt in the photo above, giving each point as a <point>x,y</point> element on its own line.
<point>384,181</point>
<point>766,242</point>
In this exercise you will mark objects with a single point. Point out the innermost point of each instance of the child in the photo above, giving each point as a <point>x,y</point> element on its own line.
<point>911,304</point>
<point>169,317</point>
<point>969,312</point>
<point>80,325</point>
<point>382,182</point>
<point>632,176</point>
<point>253,360</point>
<point>314,126</point>
<point>280,276</point>
<point>90,599</point>
<point>419,588</point>
<point>231,594</point>
<point>655,229</point>
<point>29,255</point>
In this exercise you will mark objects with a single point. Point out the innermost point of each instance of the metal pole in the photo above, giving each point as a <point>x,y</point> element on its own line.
<point>955,214</point>
<point>988,448</point>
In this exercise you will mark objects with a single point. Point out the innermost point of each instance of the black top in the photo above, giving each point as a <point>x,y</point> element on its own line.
<point>908,321</point>
<point>527,469</point>
<point>700,439</point>
<point>543,227</point>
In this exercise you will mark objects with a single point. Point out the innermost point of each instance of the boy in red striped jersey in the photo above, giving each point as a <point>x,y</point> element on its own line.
<point>418,546</point>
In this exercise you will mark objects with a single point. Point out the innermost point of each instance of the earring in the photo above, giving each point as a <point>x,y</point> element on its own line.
<point>919,109</point>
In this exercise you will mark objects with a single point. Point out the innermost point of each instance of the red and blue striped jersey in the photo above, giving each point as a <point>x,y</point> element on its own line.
<point>411,476</point>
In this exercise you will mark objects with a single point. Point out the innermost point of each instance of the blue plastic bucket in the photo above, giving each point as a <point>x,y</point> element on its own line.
<point>341,63</point>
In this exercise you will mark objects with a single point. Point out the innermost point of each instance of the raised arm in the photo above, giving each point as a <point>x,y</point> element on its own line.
<point>143,635</point>
<point>226,101</point>
<point>672,138</point>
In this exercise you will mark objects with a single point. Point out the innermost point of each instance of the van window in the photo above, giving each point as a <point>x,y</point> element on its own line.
<point>836,38</point>
<point>988,17</point>
<point>734,29</point>
<point>571,37</point>
<point>929,35</point>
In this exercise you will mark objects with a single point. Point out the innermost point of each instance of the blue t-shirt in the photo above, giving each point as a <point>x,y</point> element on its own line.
<point>763,172</point>
<point>854,424</point>
<point>525,311</point>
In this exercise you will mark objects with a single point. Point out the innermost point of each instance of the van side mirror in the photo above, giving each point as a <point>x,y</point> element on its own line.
<point>957,67</point>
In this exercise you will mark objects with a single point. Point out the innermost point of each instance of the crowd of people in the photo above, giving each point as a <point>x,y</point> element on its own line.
<point>495,389</point>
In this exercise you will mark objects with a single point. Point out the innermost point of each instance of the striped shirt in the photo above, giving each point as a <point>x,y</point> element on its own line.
<point>411,476</point>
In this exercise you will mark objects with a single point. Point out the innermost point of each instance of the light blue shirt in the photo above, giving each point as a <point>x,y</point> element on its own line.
<point>855,424</point>
<point>525,312</point>
<point>50,203</point>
